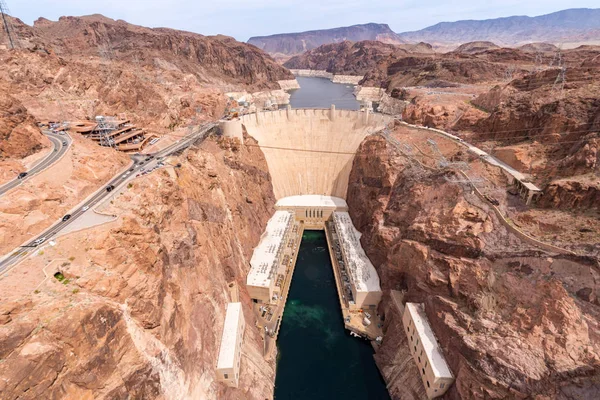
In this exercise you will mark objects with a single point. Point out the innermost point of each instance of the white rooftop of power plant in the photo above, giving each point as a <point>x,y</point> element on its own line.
<point>430,344</point>
<point>363,273</point>
<point>264,258</point>
<point>230,334</point>
<point>312,200</point>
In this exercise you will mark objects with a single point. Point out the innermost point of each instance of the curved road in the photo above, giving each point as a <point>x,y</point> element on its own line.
<point>55,155</point>
<point>140,161</point>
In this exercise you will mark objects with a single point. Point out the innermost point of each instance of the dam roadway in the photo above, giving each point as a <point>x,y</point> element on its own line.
<point>59,149</point>
<point>118,181</point>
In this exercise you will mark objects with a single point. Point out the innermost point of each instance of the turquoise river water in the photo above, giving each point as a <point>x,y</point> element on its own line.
<point>318,359</point>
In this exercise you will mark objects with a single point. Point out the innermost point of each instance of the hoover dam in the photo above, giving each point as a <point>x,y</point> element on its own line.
<point>310,151</point>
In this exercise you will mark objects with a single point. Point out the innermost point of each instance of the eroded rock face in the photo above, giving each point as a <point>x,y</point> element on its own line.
<point>80,67</point>
<point>512,322</point>
<point>142,312</point>
<point>19,135</point>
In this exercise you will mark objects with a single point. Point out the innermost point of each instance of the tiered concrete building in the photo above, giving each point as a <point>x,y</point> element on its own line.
<point>228,365</point>
<point>267,256</point>
<point>426,351</point>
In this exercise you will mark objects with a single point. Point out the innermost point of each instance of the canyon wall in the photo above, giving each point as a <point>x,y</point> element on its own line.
<point>513,322</point>
<point>141,309</point>
<point>311,151</point>
<point>19,136</point>
<point>80,67</point>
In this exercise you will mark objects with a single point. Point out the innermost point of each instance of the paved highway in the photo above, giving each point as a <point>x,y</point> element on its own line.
<point>55,155</point>
<point>117,181</point>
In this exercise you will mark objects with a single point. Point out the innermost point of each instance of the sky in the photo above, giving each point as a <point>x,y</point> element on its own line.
<point>245,18</point>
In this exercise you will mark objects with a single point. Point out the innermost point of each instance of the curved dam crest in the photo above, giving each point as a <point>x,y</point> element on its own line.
<point>310,151</point>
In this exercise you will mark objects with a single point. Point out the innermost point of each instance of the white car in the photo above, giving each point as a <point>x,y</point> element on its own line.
<point>39,241</point>
<point>85,208</point>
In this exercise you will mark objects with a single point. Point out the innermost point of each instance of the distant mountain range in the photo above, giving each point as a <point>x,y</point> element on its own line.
<point>296,43</point>
<point>570,27</point>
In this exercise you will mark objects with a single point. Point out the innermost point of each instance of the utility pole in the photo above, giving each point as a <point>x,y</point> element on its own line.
<point>7,25</point>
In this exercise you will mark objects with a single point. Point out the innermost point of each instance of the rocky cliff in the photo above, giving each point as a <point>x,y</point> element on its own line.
<point>19,135</point>
<point>80,67</point>
<point>296,43</point>
<point>513,322</point>
<point>140,310</point>
<point>345,58</point>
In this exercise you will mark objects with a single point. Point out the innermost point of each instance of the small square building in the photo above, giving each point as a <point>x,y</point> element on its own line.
<point>228,365</point>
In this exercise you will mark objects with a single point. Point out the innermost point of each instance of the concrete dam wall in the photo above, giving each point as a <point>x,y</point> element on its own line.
<point>310,151</point>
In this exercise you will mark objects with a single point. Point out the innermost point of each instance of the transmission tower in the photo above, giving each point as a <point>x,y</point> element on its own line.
<point>442,161</point>
<point>538,61</point>
<point>557,59</point>
<point>7,24</point>
<point>559,82</point>
<point>508,74</point>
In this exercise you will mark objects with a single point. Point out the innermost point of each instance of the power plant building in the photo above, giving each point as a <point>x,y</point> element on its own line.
<point>267,257</point>
<point>364,281</point>
<point>426,351</point>
<point>228,365</point>
<point>312,209</point>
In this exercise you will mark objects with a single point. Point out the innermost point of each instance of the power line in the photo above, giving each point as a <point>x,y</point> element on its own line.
<point>7,25</point>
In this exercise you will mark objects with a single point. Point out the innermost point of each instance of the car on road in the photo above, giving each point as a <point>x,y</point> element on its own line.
<point>110,187</point>
<point>39,241</point>
<point>65,143</point>
<point>143,169</point>
<point>66,217</point>
<point>22,175</point>
<point>85,208</point>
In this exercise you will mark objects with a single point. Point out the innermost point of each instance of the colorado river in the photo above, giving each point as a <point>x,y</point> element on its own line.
<point>318,359</point>
<point>322,93</point>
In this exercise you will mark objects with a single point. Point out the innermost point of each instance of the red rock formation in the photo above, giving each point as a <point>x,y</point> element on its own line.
<point>19,135</point>
<point>512,322</point>
<point>80,67</point>
<point>142,311</point>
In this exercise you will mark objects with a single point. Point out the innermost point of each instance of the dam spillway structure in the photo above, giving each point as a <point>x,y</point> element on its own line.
<point>309,153</point>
